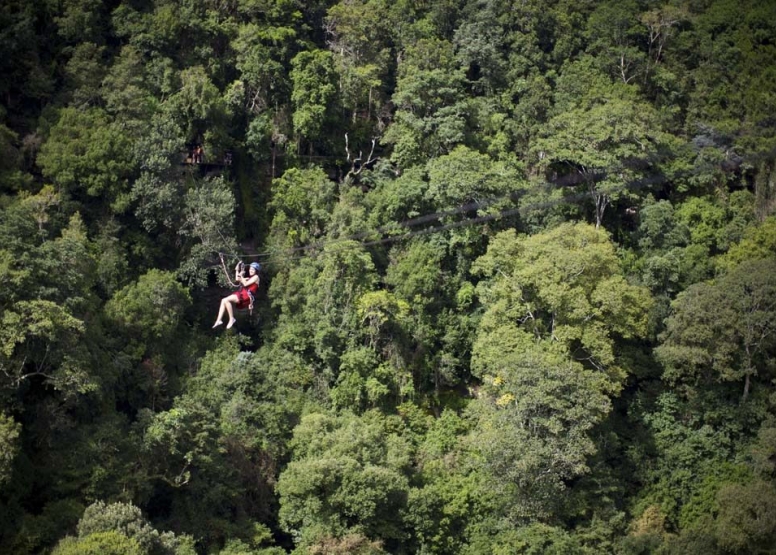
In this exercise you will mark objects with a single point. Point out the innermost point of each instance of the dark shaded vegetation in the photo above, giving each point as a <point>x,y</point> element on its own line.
<point>518,290</point>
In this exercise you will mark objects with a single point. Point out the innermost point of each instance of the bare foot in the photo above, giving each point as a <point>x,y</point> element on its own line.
<point>231,323</point>
<point>218,323</point>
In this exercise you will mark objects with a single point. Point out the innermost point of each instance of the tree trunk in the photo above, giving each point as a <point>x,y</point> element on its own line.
<point>601,202</point>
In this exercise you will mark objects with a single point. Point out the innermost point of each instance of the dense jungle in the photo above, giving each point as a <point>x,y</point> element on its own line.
<point>517,286</point>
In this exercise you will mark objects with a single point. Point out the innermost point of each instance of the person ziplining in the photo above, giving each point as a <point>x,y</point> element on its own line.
<point>243,298</point>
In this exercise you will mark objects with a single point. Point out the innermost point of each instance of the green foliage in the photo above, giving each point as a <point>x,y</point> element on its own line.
<point>313,81</point>
<point>177,441</point>
<point>302,202</point>
<point>197,104</point>
<point>45,528</point>
<point>208,211</point>
<point>125,519</point>
<point>686,460</point>
<point>318,302</point>
<point>659,227</point>
<point>350,543</point>
<point>431,109</point>
<point>44,339</point>
<point>747,517</point>
<point>465,176</point>
<point>722,331</point>
<point>614,31</point>
<point>419,377</point>
<point>9,434</point>
<point>103,524</point>
<point>565,286</point>
<point>533,540</point>
<point>126,90</point>
<point>705,498</point>
<point>152,308</point>
<point>608,136</point>
<point>10,176</point>
<point>101,543</point>
<point>758,242</point>
<point>763,450</point>
<point>85,72</point>
<point>358,34</point>
<point>364,382</point>
<point>347,475</point>
<point>534,421</point>
<point>87,153</point>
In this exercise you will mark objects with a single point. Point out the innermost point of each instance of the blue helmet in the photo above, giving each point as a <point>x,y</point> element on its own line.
<point>256,266</point>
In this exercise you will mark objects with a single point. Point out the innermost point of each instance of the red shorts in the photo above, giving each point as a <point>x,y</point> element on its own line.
<point>243,299</point>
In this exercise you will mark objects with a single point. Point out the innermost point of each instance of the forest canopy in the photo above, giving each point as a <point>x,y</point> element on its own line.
<point>517,286</point>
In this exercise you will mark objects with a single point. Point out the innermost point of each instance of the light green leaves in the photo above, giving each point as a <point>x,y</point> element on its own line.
<point>347,475</point>
<point>87,153</point>
<point>9,435</point>
<point>302,201</point>
<point>313,79</point>
<point>555,305</point>
<point>152,307</point>
<point>564,285</point>
<point>42,338</point>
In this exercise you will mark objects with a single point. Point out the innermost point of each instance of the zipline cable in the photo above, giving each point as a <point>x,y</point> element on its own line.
<point>349,242</point>
<point>296,253</point>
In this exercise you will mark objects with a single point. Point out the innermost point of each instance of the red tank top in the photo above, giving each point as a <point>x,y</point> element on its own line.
<point>253,288</point>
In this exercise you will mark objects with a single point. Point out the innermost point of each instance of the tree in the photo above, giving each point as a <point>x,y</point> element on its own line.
<point>318,302</point>
<point>431,109</point>
<point>150,308</point>
<point>198,107</point>
<point>82,21</point>
<point>207,224</point>
<point>564,286</point>
<point>86,153</point>
<point>604,141</point>
<point>41,338</point>
<point>554,306</point>
<point>101,543</point>
<point>615,34</point>
<point>314,91</point>
<point>534,420</point>
<point>120,528</point>
<point>11,176</point>
<point>127,92</point>
<point>358,35</point>
<point>264,47</point>
<point>302,202</point>
<point>85,72</point>
<point>722,331</point>
<point>758,242</point>
<point>347,475</point>
<point>9,434</point>
<point>747,518</point>
<point>465,176</point>
<point>26,66</point>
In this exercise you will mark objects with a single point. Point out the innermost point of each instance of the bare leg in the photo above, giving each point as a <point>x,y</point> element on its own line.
<point>226,306</point>
<point>230,310</point>
<point>221,310</point>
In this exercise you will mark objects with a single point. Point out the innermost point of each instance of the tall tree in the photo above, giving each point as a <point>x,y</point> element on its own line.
<point>723,331</point>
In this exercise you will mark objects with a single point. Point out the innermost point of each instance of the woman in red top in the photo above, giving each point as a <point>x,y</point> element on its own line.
<point>242,298</point>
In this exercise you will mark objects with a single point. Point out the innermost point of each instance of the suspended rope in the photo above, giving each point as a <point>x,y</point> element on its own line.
<point>223,265</point>
<point>296,253</point>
